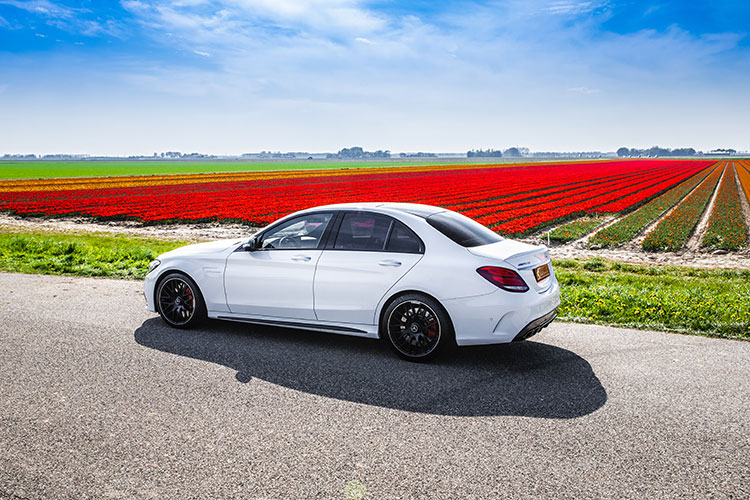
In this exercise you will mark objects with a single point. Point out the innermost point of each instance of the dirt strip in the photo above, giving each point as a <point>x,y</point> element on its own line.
<point>685,258</point>
<point>215,230</point>
<point>78,225</point>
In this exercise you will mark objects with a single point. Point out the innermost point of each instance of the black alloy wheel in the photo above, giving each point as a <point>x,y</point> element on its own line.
<point>179,301</point>
<point>416,327</point>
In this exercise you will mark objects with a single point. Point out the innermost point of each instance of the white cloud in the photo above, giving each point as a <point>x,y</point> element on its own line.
<point>567,7</point>
<point>327,73</point>
<point>242,18</point>
<point>316,15</point>
<point>68,18</point>
<point>44,7</point>
<point>584,90</point>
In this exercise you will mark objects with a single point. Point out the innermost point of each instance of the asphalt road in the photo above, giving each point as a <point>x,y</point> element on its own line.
<point>99,400</point>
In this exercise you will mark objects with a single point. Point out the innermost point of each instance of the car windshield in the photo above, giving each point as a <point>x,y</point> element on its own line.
<point>463,230</point>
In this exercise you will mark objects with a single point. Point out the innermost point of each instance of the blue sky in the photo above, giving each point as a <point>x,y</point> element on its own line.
<point>234,76</point>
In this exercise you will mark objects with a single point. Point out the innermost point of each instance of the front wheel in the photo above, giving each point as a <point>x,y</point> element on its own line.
<point>179,301</point>
<point>416,327</point>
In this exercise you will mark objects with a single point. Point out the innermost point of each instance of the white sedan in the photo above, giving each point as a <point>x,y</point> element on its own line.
<point>417,276</point>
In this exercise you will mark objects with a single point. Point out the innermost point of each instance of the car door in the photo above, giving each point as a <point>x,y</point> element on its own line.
<point>368,254</point>
<point>276,278</point>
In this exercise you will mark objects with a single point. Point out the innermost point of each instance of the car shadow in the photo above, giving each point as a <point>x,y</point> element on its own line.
<point>523,379</point>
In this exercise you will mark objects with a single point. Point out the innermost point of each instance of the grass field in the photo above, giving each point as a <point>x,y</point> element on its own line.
<point>80,254</point>
<point>714,303</point>
<point>705,302</point>
<point>55,169</point>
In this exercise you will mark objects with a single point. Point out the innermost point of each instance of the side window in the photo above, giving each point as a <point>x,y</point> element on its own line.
<point>302,232</point>
<point>362,232</point>
<point>403,240</point>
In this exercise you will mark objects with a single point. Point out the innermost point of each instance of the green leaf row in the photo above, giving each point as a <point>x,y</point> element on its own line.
<point>626,228</point>
<point>675,229</point>
<point>575,229</point>
<point>726,227</point>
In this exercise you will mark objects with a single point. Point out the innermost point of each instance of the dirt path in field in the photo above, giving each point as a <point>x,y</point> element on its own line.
<point>734,260</point>
<point>77,225</point>
<point>694,241</point>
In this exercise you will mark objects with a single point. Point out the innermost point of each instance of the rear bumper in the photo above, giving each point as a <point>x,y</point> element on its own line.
<point>535,326</point>
<point>501,317</point>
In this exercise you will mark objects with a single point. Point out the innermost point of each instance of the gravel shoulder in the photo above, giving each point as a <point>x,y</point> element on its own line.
<point>99,400</point>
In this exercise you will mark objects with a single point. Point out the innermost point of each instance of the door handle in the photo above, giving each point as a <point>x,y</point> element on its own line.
<point>303,258</point>
<point>389,263</point>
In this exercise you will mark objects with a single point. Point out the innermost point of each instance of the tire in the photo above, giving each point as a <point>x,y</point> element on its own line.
<point>179,301</point>
<point>416,327</point>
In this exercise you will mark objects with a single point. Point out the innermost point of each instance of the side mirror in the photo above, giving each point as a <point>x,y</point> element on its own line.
<point>251,245</point>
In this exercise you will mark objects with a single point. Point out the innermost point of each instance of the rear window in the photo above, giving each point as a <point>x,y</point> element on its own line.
<point>464,231</point>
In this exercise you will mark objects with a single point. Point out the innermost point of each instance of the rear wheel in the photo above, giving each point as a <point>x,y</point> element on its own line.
<point>179,301</point>
<point>416,327</point>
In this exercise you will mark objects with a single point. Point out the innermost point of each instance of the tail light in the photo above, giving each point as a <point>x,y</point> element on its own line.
<point>507,279</point>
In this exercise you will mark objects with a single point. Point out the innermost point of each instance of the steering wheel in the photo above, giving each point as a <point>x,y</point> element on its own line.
<point>289,242</point>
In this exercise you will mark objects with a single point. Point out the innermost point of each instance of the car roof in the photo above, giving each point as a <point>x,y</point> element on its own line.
<point>410,208</point>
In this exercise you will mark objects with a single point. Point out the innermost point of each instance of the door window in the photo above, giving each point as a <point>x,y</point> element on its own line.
<point>403,240</point>
<point>363,231</point>
<point>303,232</point>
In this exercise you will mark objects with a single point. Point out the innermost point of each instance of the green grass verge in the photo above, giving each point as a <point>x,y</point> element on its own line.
<point>80,255</point>
<point>706,302</point>
<point>49,169</point>
<point>714,303</point>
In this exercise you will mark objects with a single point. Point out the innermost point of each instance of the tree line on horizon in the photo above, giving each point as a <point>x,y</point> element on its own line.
<point>357,152</point>
<point>496,153</point>
<point>657,151</point>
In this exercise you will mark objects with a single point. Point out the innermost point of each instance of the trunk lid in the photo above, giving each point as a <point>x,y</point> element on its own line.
<point>521,257</point>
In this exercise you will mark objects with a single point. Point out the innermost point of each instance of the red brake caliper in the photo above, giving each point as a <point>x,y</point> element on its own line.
<point>432,329</point>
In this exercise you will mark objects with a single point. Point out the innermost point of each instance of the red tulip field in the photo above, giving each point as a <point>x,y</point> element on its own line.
<point>512,199</point>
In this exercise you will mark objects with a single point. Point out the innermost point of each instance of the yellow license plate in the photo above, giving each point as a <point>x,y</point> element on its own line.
<point>541,272</point>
